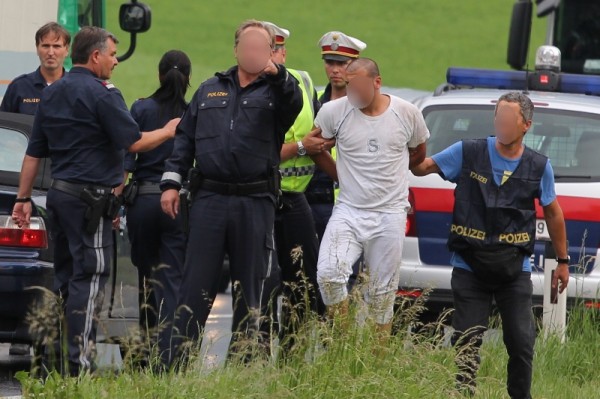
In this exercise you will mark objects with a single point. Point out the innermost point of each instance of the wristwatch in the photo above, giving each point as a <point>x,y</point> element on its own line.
<point>566,260</point>
<point>301,149</point>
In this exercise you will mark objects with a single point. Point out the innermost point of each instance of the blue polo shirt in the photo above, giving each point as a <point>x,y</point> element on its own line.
<point>450,163</point>
<point>24,93</point>
<point>149,166</point>
<point>84,126</point>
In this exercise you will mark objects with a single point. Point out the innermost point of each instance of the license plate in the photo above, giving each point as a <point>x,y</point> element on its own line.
<point>541,230</point>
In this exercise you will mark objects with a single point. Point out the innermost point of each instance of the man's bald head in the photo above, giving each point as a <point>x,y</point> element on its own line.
<point>365,64</point>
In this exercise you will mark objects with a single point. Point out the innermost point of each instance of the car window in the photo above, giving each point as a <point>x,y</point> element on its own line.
<point>12,149</point>
<point>570,139</point>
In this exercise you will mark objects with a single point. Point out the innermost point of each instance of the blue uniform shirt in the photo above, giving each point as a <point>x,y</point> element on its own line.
<point>149,166</point>
<point>84,126</point>
<point>24,93</point>
<point>450,163</point>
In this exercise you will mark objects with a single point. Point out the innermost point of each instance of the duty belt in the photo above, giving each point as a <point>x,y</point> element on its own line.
<point>76,189</point>
<point>298,171</point>
<point>258,187</point>
<point>147,187</point>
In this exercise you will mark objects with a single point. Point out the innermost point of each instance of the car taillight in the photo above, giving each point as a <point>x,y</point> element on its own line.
<point>411,224</point>
<point>592,305</point>
<point>414,294</point>
<point>33,236</point>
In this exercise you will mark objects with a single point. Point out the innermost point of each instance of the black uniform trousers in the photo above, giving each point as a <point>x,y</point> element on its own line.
<point>472,307</point>
<point>157,250</point>
<point>82,265</point>
<point>242,227</point>
<point>297,253</point>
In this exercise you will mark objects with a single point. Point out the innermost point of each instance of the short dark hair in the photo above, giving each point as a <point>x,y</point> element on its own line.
<point>364,63</point>
<point>88,40</point>
<point>52,27</point>
<point>524,102</point>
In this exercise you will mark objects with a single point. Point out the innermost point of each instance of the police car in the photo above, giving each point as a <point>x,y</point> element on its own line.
<point>566,128</point>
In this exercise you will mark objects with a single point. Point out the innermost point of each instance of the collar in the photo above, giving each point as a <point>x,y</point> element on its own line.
<point>232,75</point>
<point>38,78</point>
<point>326,96</point>
<point>83,70</point>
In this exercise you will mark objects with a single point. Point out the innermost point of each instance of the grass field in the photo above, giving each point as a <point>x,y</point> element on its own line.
<point>411,366</point>
<point>413,40</point>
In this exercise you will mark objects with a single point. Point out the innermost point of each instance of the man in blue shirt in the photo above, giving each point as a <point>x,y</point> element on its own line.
<point>24,93</point>
<point>492,237</point>
<point>84,126</point>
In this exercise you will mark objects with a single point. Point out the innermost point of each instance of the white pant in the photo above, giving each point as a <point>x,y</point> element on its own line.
<point>351,231</point>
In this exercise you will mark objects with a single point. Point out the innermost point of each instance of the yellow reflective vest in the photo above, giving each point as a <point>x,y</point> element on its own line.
<point>297,171</point>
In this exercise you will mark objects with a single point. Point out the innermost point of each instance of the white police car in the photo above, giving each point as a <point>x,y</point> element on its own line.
<point>566,128</point>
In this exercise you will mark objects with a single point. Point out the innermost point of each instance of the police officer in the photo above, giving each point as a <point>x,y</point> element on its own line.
<point>83,125</point>
<point>337,50</point>
<point>295,236</point>
<point>157,241</point>
<point>492,238</point>
<point>24,93</point>
<point>233,129</point>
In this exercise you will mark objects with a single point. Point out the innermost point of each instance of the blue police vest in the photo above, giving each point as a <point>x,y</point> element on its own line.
<point>486,214</point>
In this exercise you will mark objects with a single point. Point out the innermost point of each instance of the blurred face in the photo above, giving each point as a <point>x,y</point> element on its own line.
<point>336,73</point>
<point>509,125</point>
<point>105,61</point>
<point>253,51</point>
<point>361,88</point>
<point>52,52</point>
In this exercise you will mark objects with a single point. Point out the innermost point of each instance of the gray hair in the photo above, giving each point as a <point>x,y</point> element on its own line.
<point>519,98</point>
<point>88,40</point>
<point>253,23</point>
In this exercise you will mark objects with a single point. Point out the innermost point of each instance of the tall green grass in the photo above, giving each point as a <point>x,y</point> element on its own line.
<point>353,365</point>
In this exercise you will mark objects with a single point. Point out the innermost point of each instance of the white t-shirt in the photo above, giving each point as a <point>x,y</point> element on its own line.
<point>372,152</point>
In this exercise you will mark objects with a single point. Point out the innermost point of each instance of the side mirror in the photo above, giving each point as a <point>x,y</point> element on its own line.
<point>135,17</point>
<point>520,32</point>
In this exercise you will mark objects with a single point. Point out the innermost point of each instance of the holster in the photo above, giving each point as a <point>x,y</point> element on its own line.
<point>194,181</point>
<point>96,208</point>
<point>184,208</point>
<point>130,193</point>
<point>186,194</point>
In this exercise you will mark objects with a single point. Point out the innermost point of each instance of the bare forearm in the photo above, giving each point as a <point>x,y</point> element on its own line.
<point>29,171</point>
<point>425,168</point>
<point>326,163</point>
<point>150,140</point>
<point>557,230</point>
<point>288,151</point>
<point>417,155</point>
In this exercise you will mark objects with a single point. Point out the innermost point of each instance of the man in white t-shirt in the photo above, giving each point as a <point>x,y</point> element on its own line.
<point>378,138</point>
